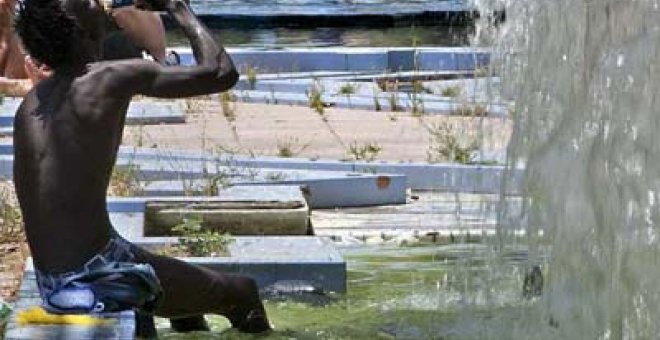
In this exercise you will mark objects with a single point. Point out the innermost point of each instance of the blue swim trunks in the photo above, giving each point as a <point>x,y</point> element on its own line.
<point>109,282</point>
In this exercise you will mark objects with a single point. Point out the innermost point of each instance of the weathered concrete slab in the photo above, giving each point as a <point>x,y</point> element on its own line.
<point>273,210</point>
<point>8,108</point>
<point>420,176</point>
<point>139,113</point>
<point>278,210</point>
<point>356,191</point>
<point>6,166</point>
<point>144,113</point>
<point>329,192</point>
<point>366,61</point>
<point>327,189</point>
<point>355,59</point>
<point>428,104</point>
<point>275,258</point>
<point>401,60</point>
<point>460,59</point>
<point>6,131</point>
<point>291,61</point>
<point>121,328</point>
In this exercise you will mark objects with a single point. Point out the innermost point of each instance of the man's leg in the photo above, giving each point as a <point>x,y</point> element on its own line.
<point>191,290</point>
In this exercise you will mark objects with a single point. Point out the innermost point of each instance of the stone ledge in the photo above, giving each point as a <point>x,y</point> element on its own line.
<point>274,258</point>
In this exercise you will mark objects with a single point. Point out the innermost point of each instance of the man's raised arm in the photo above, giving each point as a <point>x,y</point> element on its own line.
<point>214,72</point>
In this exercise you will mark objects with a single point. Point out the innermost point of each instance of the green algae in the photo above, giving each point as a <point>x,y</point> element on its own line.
<point>392,293</point>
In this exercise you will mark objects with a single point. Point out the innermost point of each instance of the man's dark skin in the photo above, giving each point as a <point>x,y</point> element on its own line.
<point>67,133</point>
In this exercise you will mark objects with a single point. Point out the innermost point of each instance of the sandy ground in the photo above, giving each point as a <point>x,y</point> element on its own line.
<point>262,129</point>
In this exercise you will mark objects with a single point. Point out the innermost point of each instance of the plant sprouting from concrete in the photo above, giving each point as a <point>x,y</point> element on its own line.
<point>199,242</point>
<point>483,71</point>
<point>315,97</point>
<point>252,77</point>
<point>446,146</point>
<point>363,152</point>
<point>451,91</point>
<point>275,176</point>
<point>228,106</point>
<point>125,181</point>
<point>394,102</point>
<point>348,90</point>
<point>470,110</point>
<point>290,147</point>
<point>377,105</point>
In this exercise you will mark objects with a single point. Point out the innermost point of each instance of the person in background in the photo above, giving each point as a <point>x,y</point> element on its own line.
<point>17,71</point>
<point>132,31</point>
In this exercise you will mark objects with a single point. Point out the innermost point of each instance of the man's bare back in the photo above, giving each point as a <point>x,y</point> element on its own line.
<point>63,161</point>
<point>67,133</point>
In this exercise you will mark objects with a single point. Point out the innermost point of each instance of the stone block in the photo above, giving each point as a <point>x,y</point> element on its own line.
<point>139,112</point>
<point>401,60</point>
<point>275,258</point>
<point>260,210</point>
<point>145,113</point>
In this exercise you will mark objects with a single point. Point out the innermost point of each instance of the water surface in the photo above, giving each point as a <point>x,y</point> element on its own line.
<point>425,292</point>
<point>407,36</point>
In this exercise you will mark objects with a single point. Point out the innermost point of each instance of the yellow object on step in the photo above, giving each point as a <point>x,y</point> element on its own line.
<point>37,315</point>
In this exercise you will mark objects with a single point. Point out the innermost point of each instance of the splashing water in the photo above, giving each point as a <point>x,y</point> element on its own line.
<point>585,77</point>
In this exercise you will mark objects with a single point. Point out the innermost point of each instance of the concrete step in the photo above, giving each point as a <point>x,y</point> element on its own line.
<point>139,113</point>
<point>274,258</point>
<point>423,104</point>
<point>432,59</point>
<point>276,210</point>
<point>257,210</point>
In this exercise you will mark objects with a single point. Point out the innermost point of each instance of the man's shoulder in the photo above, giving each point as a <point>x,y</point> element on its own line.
<point>118,65</point>
<point>117,75</point>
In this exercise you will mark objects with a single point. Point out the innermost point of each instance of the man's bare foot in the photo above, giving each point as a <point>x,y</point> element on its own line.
<point>250,321</point>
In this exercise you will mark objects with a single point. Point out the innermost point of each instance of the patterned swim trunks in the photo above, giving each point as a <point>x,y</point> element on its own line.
<point>109,282</point>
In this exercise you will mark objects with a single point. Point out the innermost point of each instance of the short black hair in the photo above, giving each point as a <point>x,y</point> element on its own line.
<point>47,31</point>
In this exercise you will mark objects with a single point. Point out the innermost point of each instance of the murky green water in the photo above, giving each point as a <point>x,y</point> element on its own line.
<point>419,293</point>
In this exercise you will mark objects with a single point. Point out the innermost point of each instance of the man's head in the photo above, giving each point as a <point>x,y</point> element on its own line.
<point>61,33</point>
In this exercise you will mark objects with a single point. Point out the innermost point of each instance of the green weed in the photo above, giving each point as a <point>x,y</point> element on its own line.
<point>446,146</point>
<point>363,152</point>
<point>196,241</point>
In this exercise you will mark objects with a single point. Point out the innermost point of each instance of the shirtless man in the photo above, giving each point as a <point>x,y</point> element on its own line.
<point>67,133</point>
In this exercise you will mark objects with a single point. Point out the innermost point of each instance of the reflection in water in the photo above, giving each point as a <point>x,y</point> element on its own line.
<point>350,37</point>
